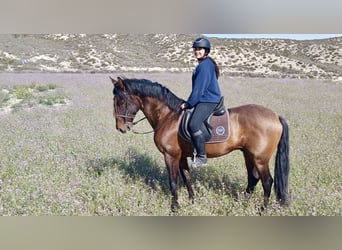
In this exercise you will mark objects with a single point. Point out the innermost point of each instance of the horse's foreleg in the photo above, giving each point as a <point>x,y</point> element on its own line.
<point>172,166</point>
<point>185,173</point>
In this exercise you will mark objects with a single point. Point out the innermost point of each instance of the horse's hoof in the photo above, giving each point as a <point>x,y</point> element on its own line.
<point>174,208</point>
<point>246,194</point>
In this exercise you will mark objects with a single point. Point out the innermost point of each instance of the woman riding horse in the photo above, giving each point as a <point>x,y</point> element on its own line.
<point>204,97</point>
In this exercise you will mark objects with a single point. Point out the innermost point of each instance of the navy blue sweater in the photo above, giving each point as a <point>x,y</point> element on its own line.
<point>205,87</point>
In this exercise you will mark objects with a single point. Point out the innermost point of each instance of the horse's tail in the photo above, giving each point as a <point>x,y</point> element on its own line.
<point>282,166</point>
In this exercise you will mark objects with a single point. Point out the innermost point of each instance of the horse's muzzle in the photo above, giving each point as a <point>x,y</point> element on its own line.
<point>125,127</point>
<point>123,131</point>
<point>122,127</point>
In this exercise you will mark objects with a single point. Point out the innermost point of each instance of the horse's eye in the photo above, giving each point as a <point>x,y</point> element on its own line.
<point>118,101</point>
<point>121,102</point>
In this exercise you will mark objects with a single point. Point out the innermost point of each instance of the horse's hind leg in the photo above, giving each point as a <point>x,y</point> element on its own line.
<point>258,169</point>
<point>267,182</point>
<point>252,174</point>
<point>185,173</point>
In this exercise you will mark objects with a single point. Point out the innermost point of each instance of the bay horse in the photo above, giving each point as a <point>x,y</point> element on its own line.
<point>255,130</point>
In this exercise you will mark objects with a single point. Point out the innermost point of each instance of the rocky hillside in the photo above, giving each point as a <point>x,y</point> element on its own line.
<point>321,59</point>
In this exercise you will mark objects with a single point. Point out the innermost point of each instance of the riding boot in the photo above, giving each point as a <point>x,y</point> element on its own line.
<point>199,144</point>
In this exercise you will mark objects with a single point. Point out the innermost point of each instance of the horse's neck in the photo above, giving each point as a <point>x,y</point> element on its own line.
<point>155,111</point>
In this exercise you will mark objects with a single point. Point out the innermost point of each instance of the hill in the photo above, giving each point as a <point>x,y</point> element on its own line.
<point>319,59</point>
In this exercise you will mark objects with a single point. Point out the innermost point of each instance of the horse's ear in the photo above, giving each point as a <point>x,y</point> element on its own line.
<point>113,81</point>
<point>121,84</point>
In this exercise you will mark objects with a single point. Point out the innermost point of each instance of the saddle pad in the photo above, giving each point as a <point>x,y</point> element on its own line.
<point>220,128</point>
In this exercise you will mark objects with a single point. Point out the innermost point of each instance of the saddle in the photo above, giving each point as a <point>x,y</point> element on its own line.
<point>215,128</point>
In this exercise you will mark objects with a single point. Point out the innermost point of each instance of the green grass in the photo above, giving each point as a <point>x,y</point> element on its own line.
<point>4,96</point>
<point>72,161</point>
<point>52,100</point>
<point>30,95</point>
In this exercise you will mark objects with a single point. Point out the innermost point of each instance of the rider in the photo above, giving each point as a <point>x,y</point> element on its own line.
<point>204,97</point>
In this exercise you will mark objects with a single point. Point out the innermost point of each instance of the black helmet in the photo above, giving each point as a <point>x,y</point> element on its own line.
<point>201,43</point>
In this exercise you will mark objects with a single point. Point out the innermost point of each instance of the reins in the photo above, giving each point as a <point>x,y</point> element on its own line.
<point>134,123</point>
<point>154,130</point>
<point>140,133</point>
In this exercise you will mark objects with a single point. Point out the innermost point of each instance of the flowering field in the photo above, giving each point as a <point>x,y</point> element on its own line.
<point>65,157</point>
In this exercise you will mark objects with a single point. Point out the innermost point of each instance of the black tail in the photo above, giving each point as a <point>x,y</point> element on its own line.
<point>282,166</point>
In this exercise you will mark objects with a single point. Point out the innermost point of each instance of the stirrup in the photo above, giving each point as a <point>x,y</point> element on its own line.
<point>199,161</point>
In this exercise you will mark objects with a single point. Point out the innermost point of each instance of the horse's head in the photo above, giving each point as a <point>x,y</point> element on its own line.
<point>125,104</point>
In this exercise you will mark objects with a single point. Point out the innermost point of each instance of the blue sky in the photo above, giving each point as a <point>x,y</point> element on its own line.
<point>281,36</point>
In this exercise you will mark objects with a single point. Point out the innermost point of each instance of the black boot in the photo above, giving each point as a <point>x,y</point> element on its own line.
<point>200,158</point>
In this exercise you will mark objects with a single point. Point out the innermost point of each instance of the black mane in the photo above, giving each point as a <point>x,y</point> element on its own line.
<point>147,88</point>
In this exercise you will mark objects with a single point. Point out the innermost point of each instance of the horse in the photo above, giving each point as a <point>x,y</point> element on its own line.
<point>255,130</point>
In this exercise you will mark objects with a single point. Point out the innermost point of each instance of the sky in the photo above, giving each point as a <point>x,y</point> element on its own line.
<point>281,36</point>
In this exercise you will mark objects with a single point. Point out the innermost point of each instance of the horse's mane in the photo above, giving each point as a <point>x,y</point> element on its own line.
<point>147,88</point>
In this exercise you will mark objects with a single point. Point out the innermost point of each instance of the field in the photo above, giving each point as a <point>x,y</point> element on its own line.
<point>60,153</point>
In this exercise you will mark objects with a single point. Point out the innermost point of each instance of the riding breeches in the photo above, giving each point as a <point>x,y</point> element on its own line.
<point>201,112</point>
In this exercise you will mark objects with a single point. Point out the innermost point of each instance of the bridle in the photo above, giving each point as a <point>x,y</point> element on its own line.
<point>129,124</point>
<point>126,116</point>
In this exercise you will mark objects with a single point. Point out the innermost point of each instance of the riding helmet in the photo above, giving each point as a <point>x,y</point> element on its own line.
<point>202,43</point>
